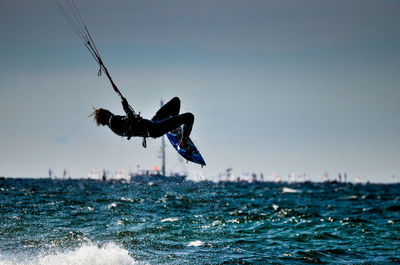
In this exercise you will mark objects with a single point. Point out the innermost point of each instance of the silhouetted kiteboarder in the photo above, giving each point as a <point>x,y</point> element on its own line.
<point>166,121</point>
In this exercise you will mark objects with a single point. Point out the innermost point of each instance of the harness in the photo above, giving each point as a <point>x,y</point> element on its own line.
<point>146,132</point>
<point>138,119</point>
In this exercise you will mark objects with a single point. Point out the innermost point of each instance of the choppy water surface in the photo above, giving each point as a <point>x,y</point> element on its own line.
<point>86,222</point>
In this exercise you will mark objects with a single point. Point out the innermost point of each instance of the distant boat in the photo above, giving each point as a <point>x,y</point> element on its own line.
<point>156,175</point>
<point>94,174</point>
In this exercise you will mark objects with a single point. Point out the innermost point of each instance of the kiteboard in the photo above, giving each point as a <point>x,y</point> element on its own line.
<point>190,153</point>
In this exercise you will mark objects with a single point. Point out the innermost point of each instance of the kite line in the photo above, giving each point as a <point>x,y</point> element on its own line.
<point>74,18</point>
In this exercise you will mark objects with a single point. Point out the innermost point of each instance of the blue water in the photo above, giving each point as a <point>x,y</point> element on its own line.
<point>87,222</point>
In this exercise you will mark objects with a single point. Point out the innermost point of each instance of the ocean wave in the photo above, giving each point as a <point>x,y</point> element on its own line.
<point>89,254</point>
<point>170,219</point>
<point>196,243</point>
<point>289,190</point>
<point>198,223</point>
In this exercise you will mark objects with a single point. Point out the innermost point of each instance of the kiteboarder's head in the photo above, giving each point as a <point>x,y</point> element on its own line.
<point>101,116</point>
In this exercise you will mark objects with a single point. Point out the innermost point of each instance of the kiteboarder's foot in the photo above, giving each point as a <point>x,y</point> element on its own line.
<point>182,144</point>
<point>175,131</point>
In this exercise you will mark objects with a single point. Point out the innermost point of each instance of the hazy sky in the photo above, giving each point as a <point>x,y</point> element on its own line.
<point>284,86</point>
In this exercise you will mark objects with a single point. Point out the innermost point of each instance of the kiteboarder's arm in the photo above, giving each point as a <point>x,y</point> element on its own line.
<point>128,109</point>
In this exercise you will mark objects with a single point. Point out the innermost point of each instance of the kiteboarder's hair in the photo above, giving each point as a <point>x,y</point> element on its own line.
<point>101,116</point>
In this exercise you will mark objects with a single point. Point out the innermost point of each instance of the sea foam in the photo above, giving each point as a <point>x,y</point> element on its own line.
<point>89,254</point>
<point>289,190</point>
<point>196,243</point>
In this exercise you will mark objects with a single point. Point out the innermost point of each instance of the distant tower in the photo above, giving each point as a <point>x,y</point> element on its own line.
<point>163,150</point>
<point>104,177</point>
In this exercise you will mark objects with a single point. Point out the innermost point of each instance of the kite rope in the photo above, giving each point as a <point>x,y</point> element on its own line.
<point>74,18</point>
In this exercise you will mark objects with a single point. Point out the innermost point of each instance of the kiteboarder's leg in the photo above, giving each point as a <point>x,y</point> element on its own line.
<point>159,128</point>
<point>168,110</point>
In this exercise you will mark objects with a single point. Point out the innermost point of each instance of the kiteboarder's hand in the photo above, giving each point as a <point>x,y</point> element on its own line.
<point>138,117</point>
<point>124,101</point>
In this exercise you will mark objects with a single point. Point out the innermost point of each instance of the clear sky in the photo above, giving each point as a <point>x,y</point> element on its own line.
<point>284,86</point>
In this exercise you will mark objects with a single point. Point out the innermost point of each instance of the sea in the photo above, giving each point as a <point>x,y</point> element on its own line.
<point>60,222</point>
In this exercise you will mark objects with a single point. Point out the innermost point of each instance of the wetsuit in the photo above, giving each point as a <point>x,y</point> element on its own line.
<point>166,119</point>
